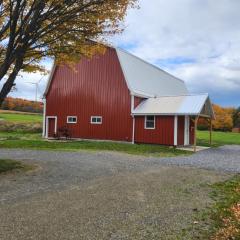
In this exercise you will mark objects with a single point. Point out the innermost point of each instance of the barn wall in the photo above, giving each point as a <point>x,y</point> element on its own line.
<point>162,134</point>
<point>96,88</point>
<point>137,101</point>
<point>181,124</point>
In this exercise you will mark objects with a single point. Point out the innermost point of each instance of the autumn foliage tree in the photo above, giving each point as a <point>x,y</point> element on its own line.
<point>236,118</point>
<point>22,105</point>
<point>223,121</point>
<point>66,30</point>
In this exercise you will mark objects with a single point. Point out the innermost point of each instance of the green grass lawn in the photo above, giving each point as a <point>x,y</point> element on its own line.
<point>34,141</point>
<point>9,165</point>
<point>20,118</point>
<point>19,137</point>
<point>224,215</point>
<point>218,138</point>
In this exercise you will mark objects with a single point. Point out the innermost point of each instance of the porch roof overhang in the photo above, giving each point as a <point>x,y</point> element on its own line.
<point>192,105</point>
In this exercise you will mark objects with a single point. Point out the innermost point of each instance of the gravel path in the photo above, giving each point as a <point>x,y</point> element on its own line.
<point>64,169</point>
<point>106,195</point>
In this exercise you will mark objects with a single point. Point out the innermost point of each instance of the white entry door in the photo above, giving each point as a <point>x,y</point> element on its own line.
<point>186,130</point>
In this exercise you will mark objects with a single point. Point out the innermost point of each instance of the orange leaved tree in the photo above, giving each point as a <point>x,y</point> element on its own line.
<point>223,121</point>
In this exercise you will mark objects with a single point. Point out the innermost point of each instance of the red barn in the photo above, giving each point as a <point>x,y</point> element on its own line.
<point>118,96</point>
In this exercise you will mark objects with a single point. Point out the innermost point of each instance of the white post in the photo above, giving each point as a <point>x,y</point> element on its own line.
<point>44,118</point>
<point>175,130</point>
<point>133,131</point>
<point>132,103</point>
<point>186,130</point>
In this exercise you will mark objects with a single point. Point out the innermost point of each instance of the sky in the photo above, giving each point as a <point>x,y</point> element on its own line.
<point>197,41</point>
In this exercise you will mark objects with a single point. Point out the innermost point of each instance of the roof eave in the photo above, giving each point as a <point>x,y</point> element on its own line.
<point>50,79</point>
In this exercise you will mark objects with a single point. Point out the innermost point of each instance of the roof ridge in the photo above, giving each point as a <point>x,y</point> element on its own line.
<point>181,95</point>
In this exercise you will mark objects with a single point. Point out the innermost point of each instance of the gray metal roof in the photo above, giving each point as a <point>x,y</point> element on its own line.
<point>143,78</point>
<point>176,105</point>
<point>146,79</point>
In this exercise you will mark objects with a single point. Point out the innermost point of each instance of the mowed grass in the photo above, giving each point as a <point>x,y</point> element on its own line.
<point>19,117</point>
<point>7,165</point>
<point>22,138</point>
<point>218,138</point>
<point>27,140</point>
<point>34,141</point>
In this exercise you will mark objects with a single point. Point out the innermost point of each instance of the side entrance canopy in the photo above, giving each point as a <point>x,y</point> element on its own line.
<point>192,105</point>
<point>184,105</point>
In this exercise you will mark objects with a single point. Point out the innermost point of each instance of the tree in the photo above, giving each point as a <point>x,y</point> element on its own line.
<point>236,117</point>
<point>22,105</point>
<point>223,121</point>
<point>66,30</point>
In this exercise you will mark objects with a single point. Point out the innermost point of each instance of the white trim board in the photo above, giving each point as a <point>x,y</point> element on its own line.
<point>133,130</point>
<point>186,130</point>
<point>175,130</point>
<point>44,118</point>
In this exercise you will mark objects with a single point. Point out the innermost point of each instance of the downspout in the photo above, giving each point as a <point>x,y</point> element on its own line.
<point>44,118</point>
<point>133,124</point>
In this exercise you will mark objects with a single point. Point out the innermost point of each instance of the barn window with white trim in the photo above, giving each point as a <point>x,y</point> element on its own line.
<point>149,122</point>
<point>96,120</point>
<point>71,119</point>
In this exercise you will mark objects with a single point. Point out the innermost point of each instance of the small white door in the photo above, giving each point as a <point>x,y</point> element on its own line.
<point>186,130</point>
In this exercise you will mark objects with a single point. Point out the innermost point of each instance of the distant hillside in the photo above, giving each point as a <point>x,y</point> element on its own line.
<point>22,105</point>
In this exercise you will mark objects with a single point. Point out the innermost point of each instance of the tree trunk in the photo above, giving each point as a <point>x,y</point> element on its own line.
<point>10,81</point>
<point>7,86</point>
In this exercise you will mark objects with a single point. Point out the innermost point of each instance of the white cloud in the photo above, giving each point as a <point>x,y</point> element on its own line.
<point>203,35</point>
<point>196,40</point>
<point>25,87</point>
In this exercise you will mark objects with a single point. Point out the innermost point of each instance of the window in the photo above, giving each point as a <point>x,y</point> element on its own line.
<point>71,119</point>
<point>96,120</point>
<point>149,122</point>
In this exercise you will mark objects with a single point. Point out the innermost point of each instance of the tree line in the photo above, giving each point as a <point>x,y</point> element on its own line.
<point>22,105</point>
<point>226,118</point>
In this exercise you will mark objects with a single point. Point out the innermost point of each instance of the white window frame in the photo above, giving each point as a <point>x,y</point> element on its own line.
<point>99,117</point>
<point>71,117</point>
<point>145,122</point>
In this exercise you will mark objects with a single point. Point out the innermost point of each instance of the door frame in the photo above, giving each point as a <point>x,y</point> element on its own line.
<point>47,124</point>
<point>186,130</point>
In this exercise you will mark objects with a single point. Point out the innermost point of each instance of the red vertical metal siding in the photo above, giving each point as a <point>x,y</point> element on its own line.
<point>162,134</point>
<point>137,101</point>
<point>96,88</point>
<point>181,123</point>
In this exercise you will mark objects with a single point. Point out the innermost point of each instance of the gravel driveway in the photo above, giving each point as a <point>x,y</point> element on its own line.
<point>106,195</point>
